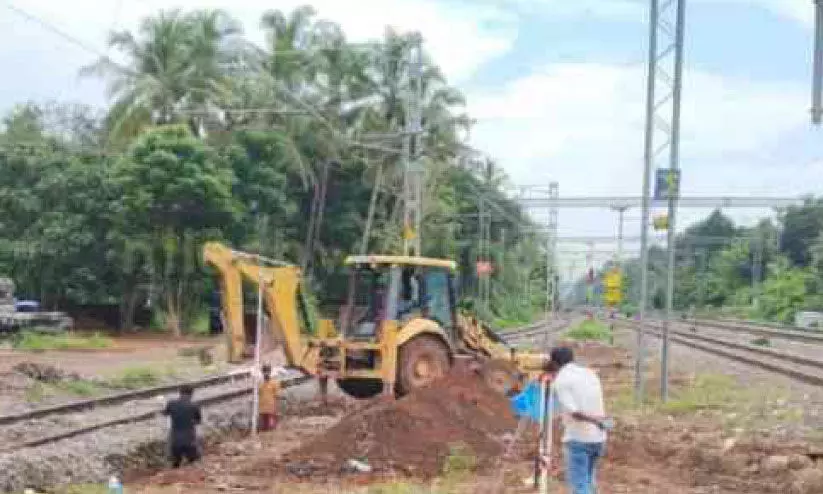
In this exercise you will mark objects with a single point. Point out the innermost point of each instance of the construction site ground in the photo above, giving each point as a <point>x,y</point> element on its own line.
<point>157,358</point>
<point>715,436</point>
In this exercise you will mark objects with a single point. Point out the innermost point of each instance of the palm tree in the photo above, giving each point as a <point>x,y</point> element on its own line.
<point>173,65</point>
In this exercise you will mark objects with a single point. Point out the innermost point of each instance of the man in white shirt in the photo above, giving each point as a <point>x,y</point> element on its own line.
<point>580,397</point>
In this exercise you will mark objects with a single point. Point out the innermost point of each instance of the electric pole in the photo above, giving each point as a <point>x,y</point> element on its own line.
<point>621,209</point>
<point>414,175</point>
<point>817,64</point>
<point>551,249</point>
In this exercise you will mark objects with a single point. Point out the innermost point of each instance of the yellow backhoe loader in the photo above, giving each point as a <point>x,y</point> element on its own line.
<point>398,330</point>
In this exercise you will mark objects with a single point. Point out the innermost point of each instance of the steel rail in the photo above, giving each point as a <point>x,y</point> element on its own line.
<point>533,330</point>
<point>788,334</point>
<point>140,417</point>
<point>118,398</point>
<point>715,348</point>
<point>769,352</point>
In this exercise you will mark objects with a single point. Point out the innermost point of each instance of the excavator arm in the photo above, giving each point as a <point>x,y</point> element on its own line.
<point>288,311</point>
<point>231,300</point>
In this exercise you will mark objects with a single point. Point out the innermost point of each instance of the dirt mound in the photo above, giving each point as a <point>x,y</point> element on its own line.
<point>413,436</point>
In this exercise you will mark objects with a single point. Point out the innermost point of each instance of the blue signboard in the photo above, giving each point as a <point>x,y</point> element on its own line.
<point>666,184</point>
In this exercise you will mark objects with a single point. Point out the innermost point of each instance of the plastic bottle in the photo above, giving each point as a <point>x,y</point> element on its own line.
<point>115,487</point>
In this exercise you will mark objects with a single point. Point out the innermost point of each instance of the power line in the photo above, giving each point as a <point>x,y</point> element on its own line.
<point>54,29</point>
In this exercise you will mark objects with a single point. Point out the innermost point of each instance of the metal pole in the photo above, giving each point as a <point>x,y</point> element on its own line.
<point>817,67</point>
<point>258,333</point>
<point>420,175</point>
<point>554,192</point>
<point>757,261</point>
<point>674,165</point>
<point>502,249</point>
<point>648,156</point>
<point>414,174</point>
<point>621,209</point>
<point>481,253</point>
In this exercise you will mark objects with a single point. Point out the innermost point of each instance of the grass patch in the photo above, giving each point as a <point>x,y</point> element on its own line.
<point>461,460</point>
<point>590,329</point>
<point>35,393</point>
<point>397,488</point>
<point>135,378</point>
<point>509,324</point>
<point>101,488</point>
<point>761,342</point>
<point>708,391</point>
<point>79,387</point>
<point>37,342</point>
<point>733,405</point>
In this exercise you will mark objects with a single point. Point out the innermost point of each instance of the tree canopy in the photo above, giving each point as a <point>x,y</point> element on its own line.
<point>293,149</point>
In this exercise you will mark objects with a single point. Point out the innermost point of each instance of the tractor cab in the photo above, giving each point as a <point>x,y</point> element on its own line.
<point>396,289</point>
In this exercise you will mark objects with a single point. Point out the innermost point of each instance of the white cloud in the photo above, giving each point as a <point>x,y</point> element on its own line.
<point>460,37</point>
<point>797,10</point>
<point>630,10</point>
<point>581,124</point>
<point>453,33</point>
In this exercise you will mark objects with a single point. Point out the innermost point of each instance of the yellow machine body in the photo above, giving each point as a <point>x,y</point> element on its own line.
<point>392,353</point>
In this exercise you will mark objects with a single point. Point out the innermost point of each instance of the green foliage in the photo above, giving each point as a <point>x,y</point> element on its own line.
<point>39,342</point>
<point>461,459</point>
<point>590,329</point>
<point>114,209</point>
<point>135,378</point>
<point>761,342</point>
<point>784,293</point>
<point>708,391</point>
<point>99,488</point>
<point>79,387</point>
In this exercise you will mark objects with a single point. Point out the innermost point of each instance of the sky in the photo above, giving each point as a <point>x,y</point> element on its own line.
<point>557,87</point>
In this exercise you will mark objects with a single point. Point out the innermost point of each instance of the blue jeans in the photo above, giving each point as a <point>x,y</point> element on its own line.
<point>581,462</point>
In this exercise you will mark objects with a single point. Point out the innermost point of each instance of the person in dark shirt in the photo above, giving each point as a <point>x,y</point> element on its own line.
<point>185,416</point>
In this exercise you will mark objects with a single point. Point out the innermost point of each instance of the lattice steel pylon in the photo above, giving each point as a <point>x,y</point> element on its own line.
<point>414,174</point>
<point>664,86</point>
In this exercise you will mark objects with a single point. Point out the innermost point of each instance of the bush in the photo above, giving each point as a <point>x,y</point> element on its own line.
<point>590,330</point>
<point>135,378</point>
<point>38,342</point>
<point>80,387</point>
<point>708,391</point>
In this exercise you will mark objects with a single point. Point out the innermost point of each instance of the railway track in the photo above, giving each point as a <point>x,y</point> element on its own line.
<point>759,330</point>
<point>798,367</point>
<point>534,330</point>
<point>68,420</point>
<point>82,417</point>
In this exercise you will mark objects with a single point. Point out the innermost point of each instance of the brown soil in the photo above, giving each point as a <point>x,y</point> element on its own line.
<point>412,436</point>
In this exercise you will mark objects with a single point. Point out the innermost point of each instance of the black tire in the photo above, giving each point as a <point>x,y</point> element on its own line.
<point>421,361</point>
<point>361,389</point>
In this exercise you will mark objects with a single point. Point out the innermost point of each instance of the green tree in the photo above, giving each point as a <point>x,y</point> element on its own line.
<point>173,70</point>
<point>176,191</point>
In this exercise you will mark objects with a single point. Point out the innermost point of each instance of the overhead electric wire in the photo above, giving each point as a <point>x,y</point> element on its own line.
<point>54,29</point>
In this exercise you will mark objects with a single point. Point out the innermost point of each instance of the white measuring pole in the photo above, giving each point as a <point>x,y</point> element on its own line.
<point>550,431</point>
<point>258,335</point>
<point>546,436</point>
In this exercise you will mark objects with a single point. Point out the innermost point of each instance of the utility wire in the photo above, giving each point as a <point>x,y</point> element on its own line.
<point>53,29</point>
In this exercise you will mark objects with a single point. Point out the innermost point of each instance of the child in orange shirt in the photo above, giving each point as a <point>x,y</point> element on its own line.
<point>267,400</point>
